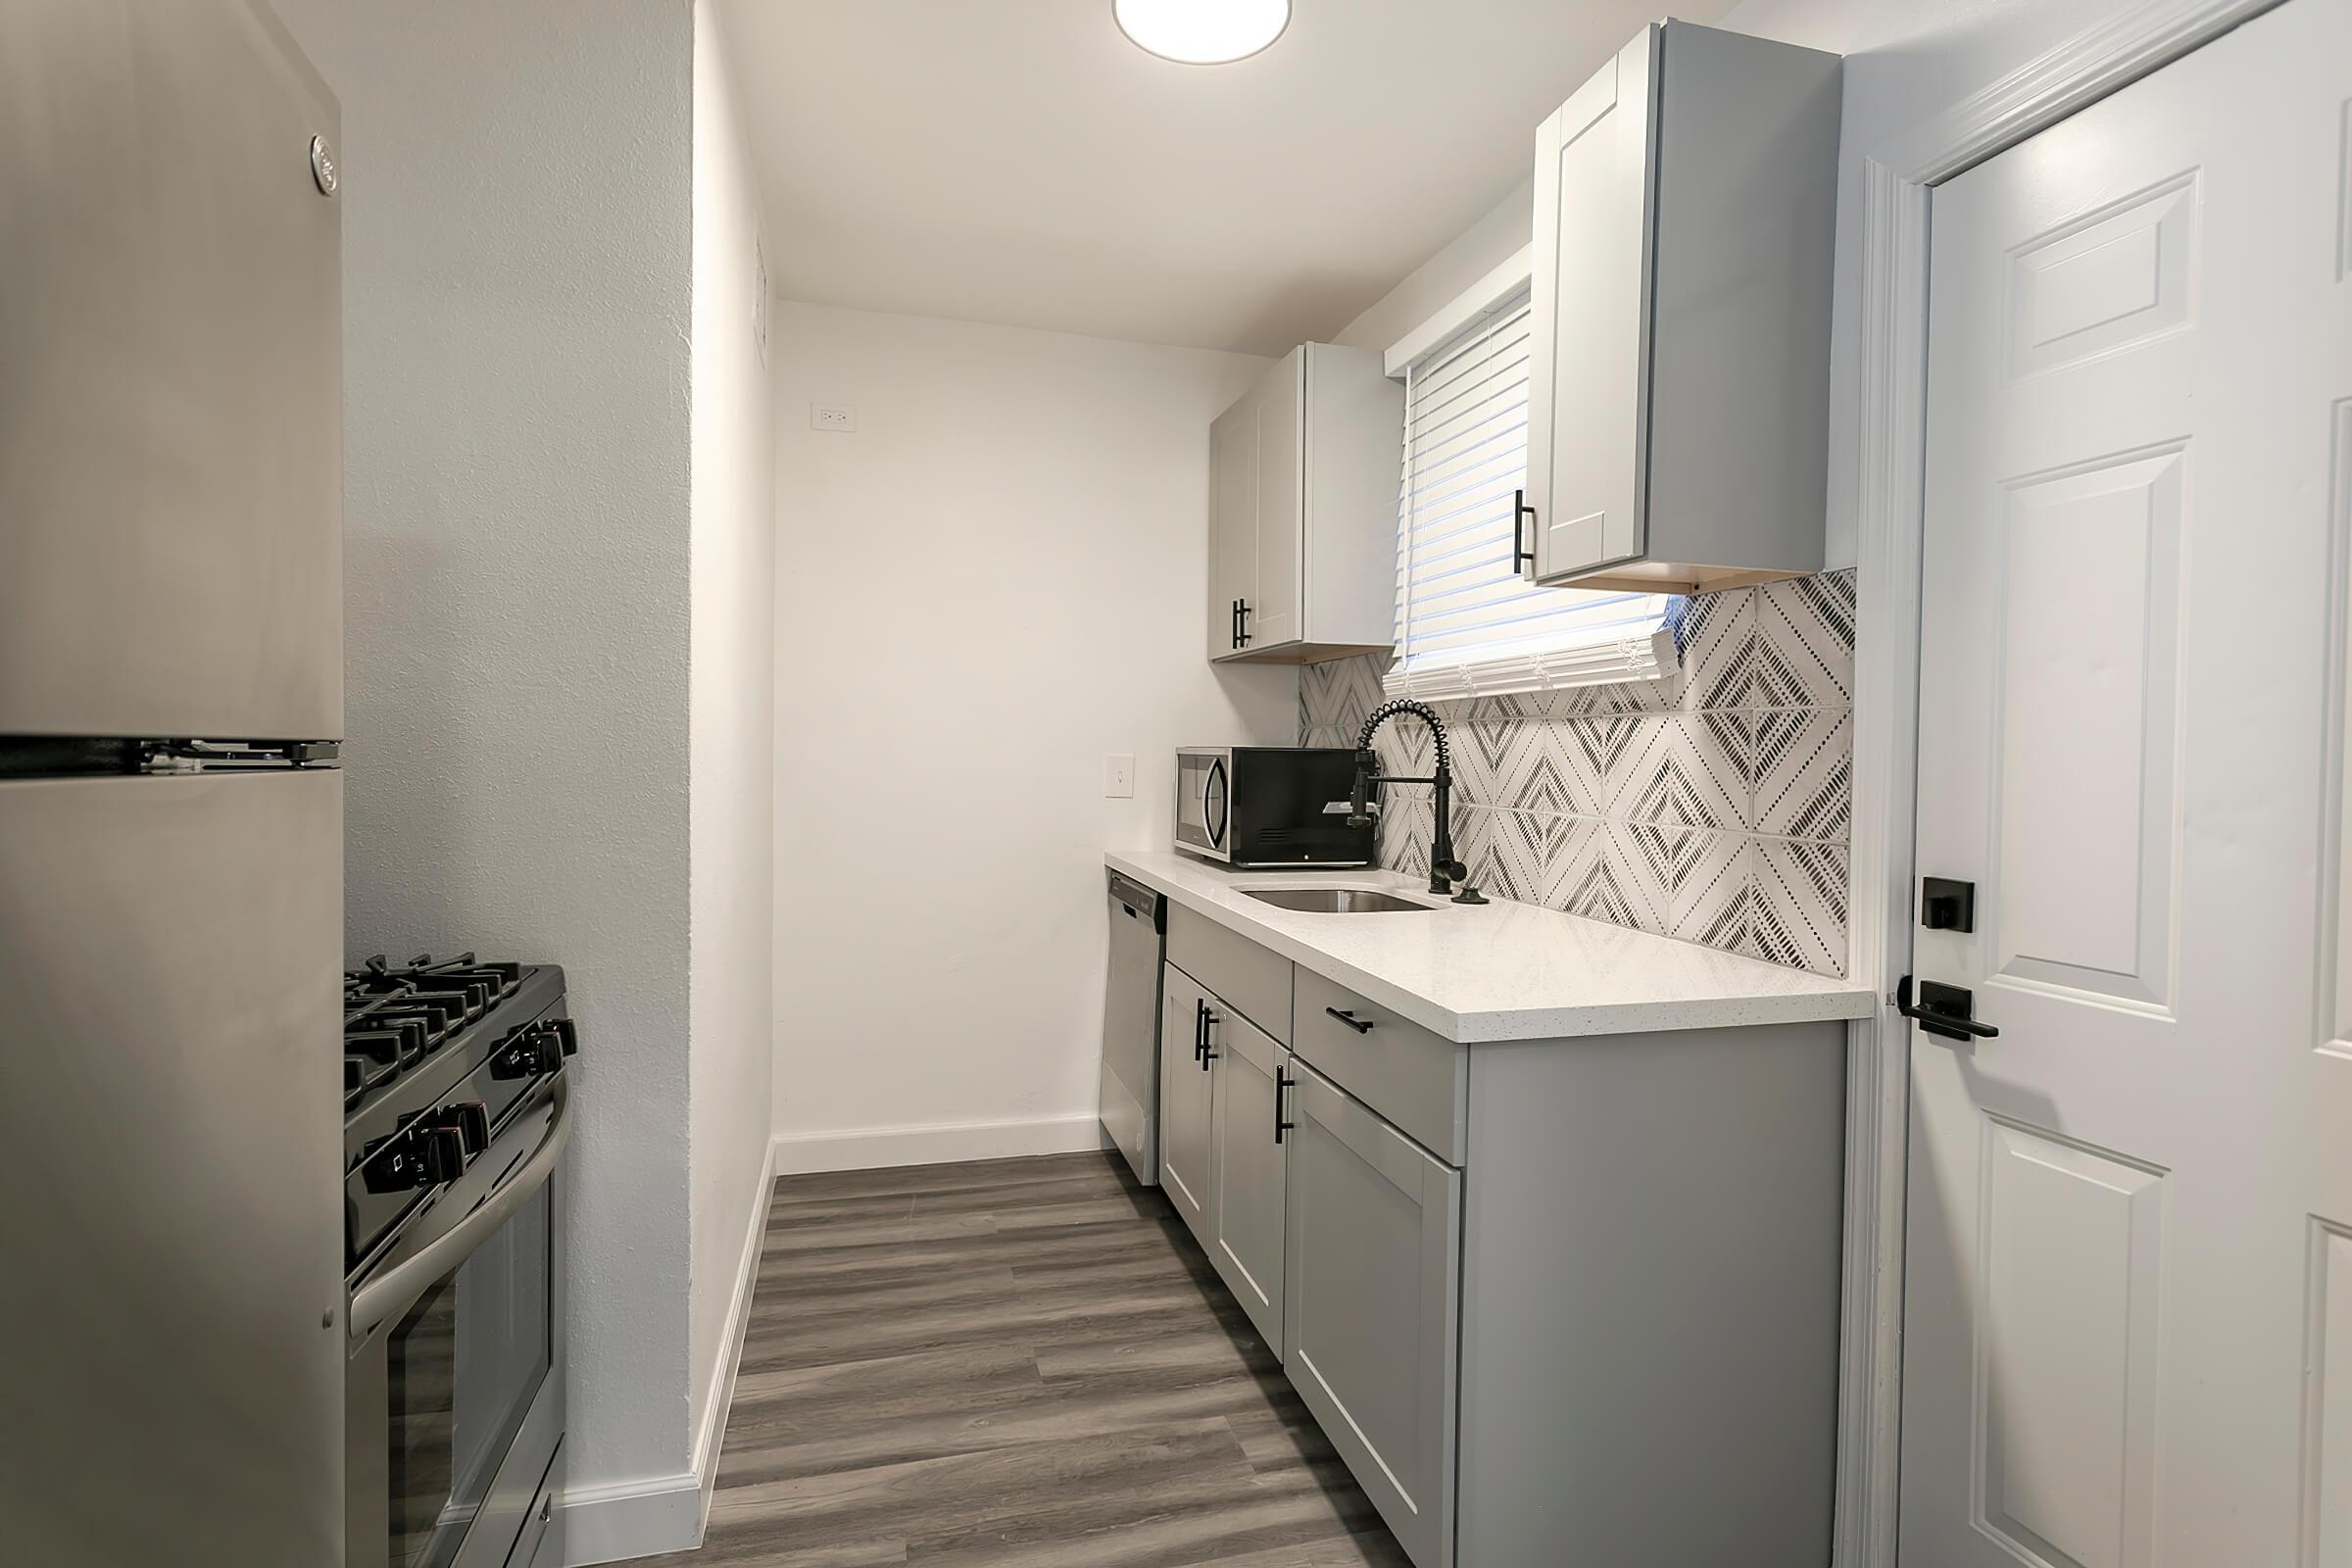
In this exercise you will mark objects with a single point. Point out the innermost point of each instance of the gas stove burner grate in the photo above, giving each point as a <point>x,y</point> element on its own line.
<point>395,1015</point>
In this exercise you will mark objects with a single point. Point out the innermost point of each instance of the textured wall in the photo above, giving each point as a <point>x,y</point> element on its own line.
<point>733,712</point>
<point>515,282</point>
<point>996,579</point>
<point>1711,806</point>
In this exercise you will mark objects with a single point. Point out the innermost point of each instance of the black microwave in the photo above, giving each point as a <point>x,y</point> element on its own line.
<point>1251,806</point>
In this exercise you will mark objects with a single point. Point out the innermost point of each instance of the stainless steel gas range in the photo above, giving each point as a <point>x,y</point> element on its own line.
<point>457,1107</point>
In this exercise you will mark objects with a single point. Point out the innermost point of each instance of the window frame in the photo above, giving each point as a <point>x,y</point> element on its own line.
<point>1543,665</point>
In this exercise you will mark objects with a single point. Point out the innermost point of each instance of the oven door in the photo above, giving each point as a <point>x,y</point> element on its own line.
<point>454,1389</point>
<point>1205,802</point>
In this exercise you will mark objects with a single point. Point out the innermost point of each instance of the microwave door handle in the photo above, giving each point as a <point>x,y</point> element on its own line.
<point>392,1290</point>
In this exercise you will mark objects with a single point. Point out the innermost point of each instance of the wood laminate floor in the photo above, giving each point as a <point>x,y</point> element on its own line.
<point>1013,1362</point>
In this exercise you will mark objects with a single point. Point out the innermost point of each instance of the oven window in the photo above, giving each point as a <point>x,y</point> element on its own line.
<point>462,1370</point>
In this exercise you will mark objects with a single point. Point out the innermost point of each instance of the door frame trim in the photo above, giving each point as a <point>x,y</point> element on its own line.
<point>1891,461</point>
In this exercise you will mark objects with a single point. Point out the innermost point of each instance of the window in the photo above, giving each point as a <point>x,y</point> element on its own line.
<point>1467,623</point>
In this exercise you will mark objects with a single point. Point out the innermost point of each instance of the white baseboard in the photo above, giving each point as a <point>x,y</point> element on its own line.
<point>655,1514</point>
<point>714,1436</point>
<point>643,1517</point>
<point>938,1144</point>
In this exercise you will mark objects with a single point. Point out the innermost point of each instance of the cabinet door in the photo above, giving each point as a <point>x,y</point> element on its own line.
<point>1274,613</point>
<point>1232,455</point>
<point>1251,1160</point>
<point>1373,1286</point>
<point>1186,1131</point>
<point>1587,398</point>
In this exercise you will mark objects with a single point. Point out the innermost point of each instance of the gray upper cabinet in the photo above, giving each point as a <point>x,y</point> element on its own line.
<point>1685,220</point>
<point>1373,1272</point>
<point>1186,1131</point>
<point>1250,1162</point>
<point>1302,511</point>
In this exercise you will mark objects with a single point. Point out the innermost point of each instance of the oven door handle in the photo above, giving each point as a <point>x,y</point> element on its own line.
<point>390,1291</point>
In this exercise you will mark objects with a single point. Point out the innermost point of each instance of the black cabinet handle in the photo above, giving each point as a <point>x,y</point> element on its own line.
<point>1362,1026</point>
<point>1520,512</point>
<point>1200,1027</point>
<point>1947,1011</point>
<point>1233,618</point>
<point>1241,625</point>
<point>1209,1048</point>
<point>1282,1081</point>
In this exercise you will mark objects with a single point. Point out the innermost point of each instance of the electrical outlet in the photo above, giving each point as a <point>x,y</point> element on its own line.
<point>832,417</point>
<point>1118,776</point>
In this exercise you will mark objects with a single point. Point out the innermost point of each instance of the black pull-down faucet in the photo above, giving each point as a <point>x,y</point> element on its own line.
<point>1444,870</point>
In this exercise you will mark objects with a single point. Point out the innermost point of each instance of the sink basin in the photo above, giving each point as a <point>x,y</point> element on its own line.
<point>1333,900</point>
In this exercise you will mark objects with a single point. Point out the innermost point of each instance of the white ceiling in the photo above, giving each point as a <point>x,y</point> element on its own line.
<point>1018,161</point>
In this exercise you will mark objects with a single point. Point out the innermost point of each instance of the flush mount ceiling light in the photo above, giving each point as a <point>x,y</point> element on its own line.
<point>1202,32</point>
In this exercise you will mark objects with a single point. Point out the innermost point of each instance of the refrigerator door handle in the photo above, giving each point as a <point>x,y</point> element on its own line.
<point>393,1290</point>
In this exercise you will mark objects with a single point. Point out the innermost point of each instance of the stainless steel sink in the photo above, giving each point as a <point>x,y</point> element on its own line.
<point>1333,900</point>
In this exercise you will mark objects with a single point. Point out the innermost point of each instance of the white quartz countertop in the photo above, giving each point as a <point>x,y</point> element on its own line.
<point>1501,970</point>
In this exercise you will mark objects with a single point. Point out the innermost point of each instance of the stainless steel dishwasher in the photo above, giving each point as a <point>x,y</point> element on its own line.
<point>1130,1098</point>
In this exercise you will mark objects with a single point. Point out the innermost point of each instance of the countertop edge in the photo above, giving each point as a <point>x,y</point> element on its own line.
<point>1836,1002</point>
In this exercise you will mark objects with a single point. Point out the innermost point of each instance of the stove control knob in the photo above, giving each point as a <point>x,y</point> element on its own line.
<point>526,1054</point>
<point>471,1120</point>
<point>567,1033</point>
<point>442,1153</point>
<point>513,1059</point>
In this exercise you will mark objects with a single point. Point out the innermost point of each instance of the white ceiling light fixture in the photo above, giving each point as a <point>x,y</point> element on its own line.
<point>1202,32</point>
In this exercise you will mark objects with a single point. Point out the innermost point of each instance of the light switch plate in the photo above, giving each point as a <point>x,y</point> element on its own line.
<point>832,417</point>
<point>1118,776</point>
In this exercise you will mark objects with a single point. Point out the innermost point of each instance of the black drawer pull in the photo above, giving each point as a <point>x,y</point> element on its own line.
<point>1362,1026</point>
<point>1282,1081</point>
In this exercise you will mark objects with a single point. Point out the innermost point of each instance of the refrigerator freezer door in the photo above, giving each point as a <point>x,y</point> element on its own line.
<point>171,1169</point>
<point>171,376</point>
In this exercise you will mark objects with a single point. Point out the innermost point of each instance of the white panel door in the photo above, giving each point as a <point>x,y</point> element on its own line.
<point>2128,1287</point>
<point>1587,368</point>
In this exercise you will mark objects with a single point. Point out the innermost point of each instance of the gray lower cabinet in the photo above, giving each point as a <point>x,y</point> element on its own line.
<point>1250,1162</point>
<point>1598,1324</point>
<point>1373,1277</point>
<point>1186,1130</point>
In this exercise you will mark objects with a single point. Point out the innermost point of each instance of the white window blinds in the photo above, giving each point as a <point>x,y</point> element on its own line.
<point>1467,623</point>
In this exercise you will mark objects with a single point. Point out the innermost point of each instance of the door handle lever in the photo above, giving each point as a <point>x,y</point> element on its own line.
<point>1947,1012</point>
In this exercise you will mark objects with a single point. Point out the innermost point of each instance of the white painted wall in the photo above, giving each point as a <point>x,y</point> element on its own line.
<point>732,708</point>
<point>1891,84</point>
<point>998,578</point>
<point>1437,282</point>
<point>515,208</point>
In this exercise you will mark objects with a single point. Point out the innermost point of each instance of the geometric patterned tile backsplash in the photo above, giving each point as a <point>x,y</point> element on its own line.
<point>1713,804</point>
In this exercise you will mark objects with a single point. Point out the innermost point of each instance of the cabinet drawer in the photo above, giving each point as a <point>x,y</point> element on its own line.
<point>1410,1076</point>
<point>1252,981</point>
